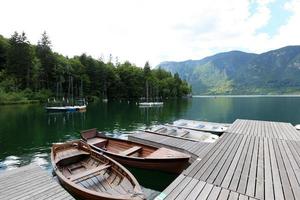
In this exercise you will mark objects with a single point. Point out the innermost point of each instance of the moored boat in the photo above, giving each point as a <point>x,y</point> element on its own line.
<point>150,104</point>
<point>183,133</point>
<point>136,154</point>
<point>211,127</point>
<point>90,175</point>
<point>80,104</point>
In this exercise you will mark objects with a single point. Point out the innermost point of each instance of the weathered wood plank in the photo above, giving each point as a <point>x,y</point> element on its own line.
<point>30,182</point>
<point>196,190</point>
<point>278,192</point>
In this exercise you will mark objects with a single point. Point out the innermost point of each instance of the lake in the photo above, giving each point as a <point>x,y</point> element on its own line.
<point>27,131</point>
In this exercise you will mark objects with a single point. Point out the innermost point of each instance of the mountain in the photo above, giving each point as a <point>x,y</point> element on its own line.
<point>237,72</point>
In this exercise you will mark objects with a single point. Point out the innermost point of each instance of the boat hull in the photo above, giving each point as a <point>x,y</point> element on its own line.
<point>65,108</point>
<point>175,166</point>
<point>149,157</point>
<point>62,163</point>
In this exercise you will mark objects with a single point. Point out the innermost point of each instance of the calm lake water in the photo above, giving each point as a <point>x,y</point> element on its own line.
<point>27,131</point>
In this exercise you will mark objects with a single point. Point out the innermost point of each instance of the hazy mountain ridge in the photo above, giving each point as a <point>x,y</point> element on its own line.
<point>237,72</point>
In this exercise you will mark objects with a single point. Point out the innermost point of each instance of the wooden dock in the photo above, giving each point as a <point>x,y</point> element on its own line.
<point>30,182</point>
<point>251,160</point>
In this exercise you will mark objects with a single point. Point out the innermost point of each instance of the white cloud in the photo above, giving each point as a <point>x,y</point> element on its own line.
<point>140,30</point>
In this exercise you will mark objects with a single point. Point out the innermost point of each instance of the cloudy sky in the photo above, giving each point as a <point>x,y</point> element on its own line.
<point>155,30</point>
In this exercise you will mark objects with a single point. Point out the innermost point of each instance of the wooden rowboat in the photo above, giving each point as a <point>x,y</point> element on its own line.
<point>136,154</point>
<point>90,175</point>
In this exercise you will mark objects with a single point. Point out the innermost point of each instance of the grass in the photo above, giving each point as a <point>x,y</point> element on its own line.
<point>23,97</point>
<point>19,102</point>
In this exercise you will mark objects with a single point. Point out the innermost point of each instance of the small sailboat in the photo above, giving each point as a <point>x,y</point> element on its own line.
<point>91,175</point>
<point>147,103</point>
<point>79,106</point>
<point>67,105</point>
<point>136,154</point>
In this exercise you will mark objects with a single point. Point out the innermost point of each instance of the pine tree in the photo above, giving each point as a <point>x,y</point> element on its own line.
<point>48,62</point>
<point>20,59</point>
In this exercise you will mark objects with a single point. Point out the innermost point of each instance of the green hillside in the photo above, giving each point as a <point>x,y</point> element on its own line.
<point>236,72</point>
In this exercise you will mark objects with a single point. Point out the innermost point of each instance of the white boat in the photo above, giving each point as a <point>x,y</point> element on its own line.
<point>184,133</point>
<point>57,108</point>
<point>65,108</point>
<point>147,103</point>
<point>82,106</point>
<point>201,126</point>
<point>297,127</point>
<point>150,104</point>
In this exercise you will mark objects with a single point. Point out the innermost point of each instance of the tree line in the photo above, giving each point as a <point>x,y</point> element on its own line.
<point>41,73</point>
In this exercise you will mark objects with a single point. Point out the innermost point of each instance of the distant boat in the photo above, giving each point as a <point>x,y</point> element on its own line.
<point>90,175</point>
<point>136,154</point>
<point>81,105</point>
<point>150,104</point>
<point>147,103</point>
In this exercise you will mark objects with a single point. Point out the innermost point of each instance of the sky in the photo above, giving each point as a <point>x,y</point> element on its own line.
<point>154,30</point>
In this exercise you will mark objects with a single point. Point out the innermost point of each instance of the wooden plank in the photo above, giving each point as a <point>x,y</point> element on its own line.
<point>214,193</point>
<point>269,190</point>
<point>236,176</point>
<point>196,190</point>
<point>30,182</point>
<point>205,191</point>
<point>186,191</point>
<point>292,176</point>
<point>259,189</point>
<point>278,192</point>
<point>225,161</point>
<point>225,176</point>
<point>179,188</point>
<point>211,154</point>
<point>224,194</point>
<point>245,172</point>
<point>282,172</point>
<point>252,174</point>
<point>294,157</point>
<point>207,164</point>
<point>173,185</point>
<point>233,196</point>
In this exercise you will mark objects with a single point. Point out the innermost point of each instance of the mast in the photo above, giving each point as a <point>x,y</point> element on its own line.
<point>147,90</point>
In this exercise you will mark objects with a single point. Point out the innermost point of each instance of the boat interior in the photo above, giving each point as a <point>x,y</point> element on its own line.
<point>121,147</point>
<point>127,148</point>
<point>93,172</point>
<point>189,134</point>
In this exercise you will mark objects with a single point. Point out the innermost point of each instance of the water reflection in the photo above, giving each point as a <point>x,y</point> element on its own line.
<point>28,131</point>
<point>228,109</point>
<point>62,119</point>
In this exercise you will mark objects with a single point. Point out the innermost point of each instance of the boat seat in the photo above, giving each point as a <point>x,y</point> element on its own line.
<point>69,156</point>
<point>161,130</point>
<point>183,134</point>
<point>75,167</point>
<point>87,173</point>
<point>167,153</point>
<point>130,151</point>
<point>97,141</point>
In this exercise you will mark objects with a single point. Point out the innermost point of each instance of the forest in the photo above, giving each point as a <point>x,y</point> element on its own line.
<point>35,73</point>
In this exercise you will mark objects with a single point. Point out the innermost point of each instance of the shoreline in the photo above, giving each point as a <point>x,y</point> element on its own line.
<point>19,102</point>
<point>247,95</point>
